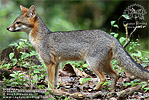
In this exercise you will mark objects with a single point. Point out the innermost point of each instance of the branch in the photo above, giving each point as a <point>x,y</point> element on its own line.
<point>57,92</point>
<point>126,29</point>
<point>130,37</point>
<point>129,91</point>
<point>81,95</point>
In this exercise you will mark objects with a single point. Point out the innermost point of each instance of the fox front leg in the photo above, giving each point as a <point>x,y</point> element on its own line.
<point>51,74</point>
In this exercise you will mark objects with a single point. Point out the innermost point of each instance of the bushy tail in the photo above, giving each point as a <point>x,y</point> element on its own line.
<point>129,64</point>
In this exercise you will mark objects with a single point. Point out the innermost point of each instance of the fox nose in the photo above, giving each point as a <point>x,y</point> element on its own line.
<point>7,28</point>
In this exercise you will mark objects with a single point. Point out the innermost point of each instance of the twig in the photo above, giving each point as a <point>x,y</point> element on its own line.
<point>126,29</point>
<point>123,94</point>
<point>57,92</point>
<point>130,36</point>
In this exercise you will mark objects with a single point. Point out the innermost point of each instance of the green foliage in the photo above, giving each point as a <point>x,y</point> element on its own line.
<point>126,16</point>
<point>85,65</point>
<point>84,80</point>
<point>137,82</point>
<point>7,66</point>
<point>115,26</point>
<point>122,40</point>
<point>11,55</point>
<point>19,79</point>
<point>112,23</point>
<point>29,78</point>
<point>107,83</point>
<point>144,87</point>
<point>114,34</point>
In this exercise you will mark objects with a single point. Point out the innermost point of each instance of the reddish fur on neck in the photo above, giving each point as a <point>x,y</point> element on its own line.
<point>34,30</point>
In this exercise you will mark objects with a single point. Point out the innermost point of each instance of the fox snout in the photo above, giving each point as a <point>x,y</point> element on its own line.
<point>18,26</point>
<point>12,29</point>
<point>15,27</point>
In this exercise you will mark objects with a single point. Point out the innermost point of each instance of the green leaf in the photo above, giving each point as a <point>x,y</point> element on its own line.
<point>130,48</point>
<point>143,64</point>
<point>14,83</point>
<point>122,39</point>
<point>126,84</point>
<point>14,61</point>
<point>36,71</point>
<point>143,86</point>
<point>114,34</point>
<point>24,55</point>
<point>112,22</point>
<point>47,93</point>
<point>126,16</point>
<point>33,53</point>
<point>21,43</point>
<point>83,80</point>
<point>106,83</point>
<point>115,26</point>
<point>65,98</point>
<point>11,55</point>
<point>85,65</point>
<point>12,75</point>
<point>35,77</point>
<point>80,69</point>
<point>138,54</point>
<point>146,89</point>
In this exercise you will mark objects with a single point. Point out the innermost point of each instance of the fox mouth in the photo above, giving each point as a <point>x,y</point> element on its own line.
<point>12,30</point>
<point>15,31</point>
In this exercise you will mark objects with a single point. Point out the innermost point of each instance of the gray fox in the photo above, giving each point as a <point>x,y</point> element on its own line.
<point>96,47</point>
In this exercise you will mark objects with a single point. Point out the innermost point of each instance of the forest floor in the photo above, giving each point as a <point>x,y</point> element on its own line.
<point>22,83</point>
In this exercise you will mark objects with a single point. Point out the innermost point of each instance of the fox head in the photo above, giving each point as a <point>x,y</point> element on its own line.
<point>25,21</point>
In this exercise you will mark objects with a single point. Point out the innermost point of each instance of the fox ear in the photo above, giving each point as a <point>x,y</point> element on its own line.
<point>24,9</point>
<point>32,11</point>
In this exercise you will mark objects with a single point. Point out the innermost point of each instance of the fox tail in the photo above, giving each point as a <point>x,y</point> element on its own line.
<point>129,64</point>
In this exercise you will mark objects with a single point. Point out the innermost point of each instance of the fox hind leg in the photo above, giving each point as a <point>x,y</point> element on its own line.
<point>97,69</point>
<point>56,74</point>
<point>101,75</point>
<point>100,63</point>
<point>109,70</point>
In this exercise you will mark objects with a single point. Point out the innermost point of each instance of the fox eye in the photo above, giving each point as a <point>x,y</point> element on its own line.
<point>18,22</point>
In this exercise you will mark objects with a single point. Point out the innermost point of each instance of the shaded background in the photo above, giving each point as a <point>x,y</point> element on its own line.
<point>68,15</point>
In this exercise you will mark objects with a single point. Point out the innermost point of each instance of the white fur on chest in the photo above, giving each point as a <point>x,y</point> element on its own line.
<point>32,41</point>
